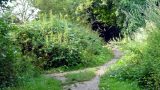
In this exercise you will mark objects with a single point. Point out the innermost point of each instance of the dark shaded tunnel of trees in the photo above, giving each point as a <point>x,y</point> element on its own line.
<point>107,32</point>
<point>107,27</point>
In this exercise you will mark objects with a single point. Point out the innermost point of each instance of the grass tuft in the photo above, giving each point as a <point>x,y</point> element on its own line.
<point>79,77</point>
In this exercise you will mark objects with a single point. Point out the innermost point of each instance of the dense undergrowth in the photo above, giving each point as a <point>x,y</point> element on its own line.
<point>58,43</point>
<point>62,38</point>
<point>12,63</point>
<point>141,63</point>
<point>51,42</point>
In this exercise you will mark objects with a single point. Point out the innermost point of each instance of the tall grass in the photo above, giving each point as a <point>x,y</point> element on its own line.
<point>39,83</point>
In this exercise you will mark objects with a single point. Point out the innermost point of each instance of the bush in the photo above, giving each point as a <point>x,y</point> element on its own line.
<point>151,58</point>
<point>58,56</point>
<point>8,53</point>
<point>141,63</point>
<point>58,43</point>
<point>144,60</point>
<point>13,66</point>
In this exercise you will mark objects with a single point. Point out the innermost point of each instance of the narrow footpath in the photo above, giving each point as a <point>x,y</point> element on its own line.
<point>92,84</point>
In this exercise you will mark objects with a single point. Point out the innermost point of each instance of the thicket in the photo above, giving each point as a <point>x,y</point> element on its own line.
<point>55,42</point>
<point>6,70</point>
<point>141,63</point>
<point>14,67</point>
<point>144,62</point>
<point>52,41</point>
<point>48,42</point>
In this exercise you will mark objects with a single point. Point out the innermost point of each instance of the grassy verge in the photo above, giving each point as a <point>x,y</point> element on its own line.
<point>108,83</point>
<point>40,83</point>
<point>117,78</point>
<point>79,77</point>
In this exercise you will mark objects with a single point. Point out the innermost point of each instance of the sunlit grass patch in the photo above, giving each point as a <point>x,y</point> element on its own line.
<point>79,77</point>
<point>113,84</point>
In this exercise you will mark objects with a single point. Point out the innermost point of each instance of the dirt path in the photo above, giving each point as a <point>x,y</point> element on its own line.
<point>92,84</point>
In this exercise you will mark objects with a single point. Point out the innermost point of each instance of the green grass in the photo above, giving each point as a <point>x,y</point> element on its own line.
<point>79,77</point>
<point>108,83</point>
<point>40,83</point>
<point>120,70</point>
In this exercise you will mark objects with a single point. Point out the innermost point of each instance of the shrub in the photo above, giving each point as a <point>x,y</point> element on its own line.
<point>13,66</point>
<point>58,56</point>
<point>56,42</point>
<point>151,59</point>
<point>7,55</point>
<point>141,63</point>
<point>48,53</point>
<point>144,60</point>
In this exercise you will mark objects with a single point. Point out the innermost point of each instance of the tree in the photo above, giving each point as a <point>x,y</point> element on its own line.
<point>114,17</point>
<point>2,1</point>
<point>23,10</point>
<point>105,17</point>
